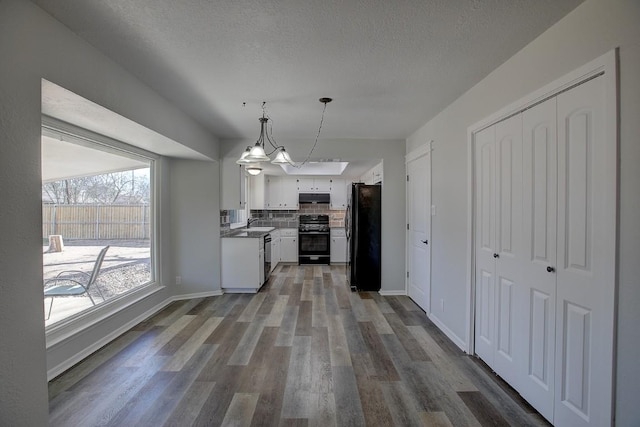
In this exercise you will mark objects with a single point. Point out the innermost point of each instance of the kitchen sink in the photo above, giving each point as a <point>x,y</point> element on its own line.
<point>263,229</point>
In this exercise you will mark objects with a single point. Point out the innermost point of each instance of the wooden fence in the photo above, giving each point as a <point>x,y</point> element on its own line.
<point>96,221</point>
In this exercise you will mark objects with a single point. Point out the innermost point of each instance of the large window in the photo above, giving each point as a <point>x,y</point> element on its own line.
<point>96,193</point>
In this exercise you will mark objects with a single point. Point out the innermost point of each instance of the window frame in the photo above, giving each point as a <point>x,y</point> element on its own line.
<point>76,323</point>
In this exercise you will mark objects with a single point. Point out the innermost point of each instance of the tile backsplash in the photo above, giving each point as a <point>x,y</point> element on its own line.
<point>336,218</point>
<point>290,218</point>
<point>285,219</point>
<point>269,218</point>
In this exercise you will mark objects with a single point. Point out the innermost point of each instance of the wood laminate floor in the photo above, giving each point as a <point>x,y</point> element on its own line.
<point>303,351</point>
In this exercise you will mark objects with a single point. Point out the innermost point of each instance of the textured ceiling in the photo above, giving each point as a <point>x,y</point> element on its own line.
<point>389,65</point>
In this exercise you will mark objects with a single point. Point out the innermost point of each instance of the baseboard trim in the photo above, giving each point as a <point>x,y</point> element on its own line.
<point>78,357</point>
<point>215,293</point>
<point>392,293</point>
<point>241,290</point>
<point>449,333</point>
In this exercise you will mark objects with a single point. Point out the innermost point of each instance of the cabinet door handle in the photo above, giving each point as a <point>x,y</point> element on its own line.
<point>496,256</point>
<point>550,269</point>
<point>426,242</point>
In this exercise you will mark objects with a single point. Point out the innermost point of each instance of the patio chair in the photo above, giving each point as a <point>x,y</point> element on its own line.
<point>69,283</point>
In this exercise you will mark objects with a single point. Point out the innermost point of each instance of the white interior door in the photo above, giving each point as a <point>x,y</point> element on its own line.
<point>419,234</point>
<point>485,239</point>
<point>508,245</point>
<point>586,259</point>
<point>539,226</point>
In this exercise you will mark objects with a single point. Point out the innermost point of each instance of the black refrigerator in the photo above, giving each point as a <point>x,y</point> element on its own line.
<point>363,225</point>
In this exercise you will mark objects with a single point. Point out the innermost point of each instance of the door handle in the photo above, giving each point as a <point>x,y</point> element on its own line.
<point>550,269</point>
<point>426,242</point>
<point>496,256</point>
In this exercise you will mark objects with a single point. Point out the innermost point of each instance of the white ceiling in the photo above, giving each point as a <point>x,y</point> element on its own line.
<point>389,65</point>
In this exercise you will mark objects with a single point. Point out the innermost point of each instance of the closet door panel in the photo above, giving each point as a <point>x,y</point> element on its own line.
<point>540,337</point>
<point>509,297</point>
<point>586,258</point>
<point>539,192</point>
<point>485,208</point>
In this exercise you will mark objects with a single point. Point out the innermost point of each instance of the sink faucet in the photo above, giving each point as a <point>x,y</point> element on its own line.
<point>250,221</point>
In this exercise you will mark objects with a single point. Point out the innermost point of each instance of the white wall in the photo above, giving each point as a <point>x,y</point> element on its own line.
<point>393,190</point>
<point>595,27</point>
<point>196,236</point>
<point>33,46</point>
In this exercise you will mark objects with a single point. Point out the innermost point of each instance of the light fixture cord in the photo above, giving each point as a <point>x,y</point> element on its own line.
<point>316,141</point>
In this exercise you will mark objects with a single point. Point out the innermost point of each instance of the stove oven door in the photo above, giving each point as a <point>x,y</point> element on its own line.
<point>314,247</point>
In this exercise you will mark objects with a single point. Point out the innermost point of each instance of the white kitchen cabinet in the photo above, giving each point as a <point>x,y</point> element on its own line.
<point>257,192</point>
<point>377,174</point>
<point>289,195</point>
<point>242,264</point>
<point>314,185</point>
<point>281,193</point>
<point>373,175</point>
<point>289,245</point>
<point>338,245</point>
<point>275,249</point>
<point>272,192</point>
<point>338,194</point>
<point>232,185</point>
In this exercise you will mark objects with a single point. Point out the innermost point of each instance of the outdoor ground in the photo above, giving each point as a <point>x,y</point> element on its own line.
<point>126,266</point>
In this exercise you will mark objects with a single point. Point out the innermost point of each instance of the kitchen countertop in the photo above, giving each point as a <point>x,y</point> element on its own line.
<point>250,233</point>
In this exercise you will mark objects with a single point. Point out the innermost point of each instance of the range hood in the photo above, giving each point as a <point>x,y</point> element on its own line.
<point>314,198</point>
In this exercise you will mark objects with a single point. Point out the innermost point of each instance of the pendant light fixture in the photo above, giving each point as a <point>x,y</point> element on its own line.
<point>253,156</point>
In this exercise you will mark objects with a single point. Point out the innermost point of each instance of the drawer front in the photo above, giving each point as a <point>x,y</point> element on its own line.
<point>338,232</point>
<point>288,232</point>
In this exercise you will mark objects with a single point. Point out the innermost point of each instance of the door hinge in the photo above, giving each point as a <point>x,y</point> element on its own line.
<point>407,226</point>
<point>407,274</point>
<point>407,178</point>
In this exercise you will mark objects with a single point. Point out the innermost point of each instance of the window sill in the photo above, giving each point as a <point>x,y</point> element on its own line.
<point>67,328</point>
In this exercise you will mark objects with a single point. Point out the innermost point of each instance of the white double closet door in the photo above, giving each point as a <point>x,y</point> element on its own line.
<point>545,255</point>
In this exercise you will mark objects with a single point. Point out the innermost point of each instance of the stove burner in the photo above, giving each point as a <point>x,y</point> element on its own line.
<point>314,223</point>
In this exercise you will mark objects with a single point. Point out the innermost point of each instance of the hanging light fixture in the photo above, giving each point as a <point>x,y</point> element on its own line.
<point>253,156</point>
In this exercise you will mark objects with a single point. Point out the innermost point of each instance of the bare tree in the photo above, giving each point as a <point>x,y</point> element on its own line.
<point>110,188</point>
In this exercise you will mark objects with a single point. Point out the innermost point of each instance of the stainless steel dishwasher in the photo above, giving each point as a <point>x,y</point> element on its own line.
<point>267,257</point>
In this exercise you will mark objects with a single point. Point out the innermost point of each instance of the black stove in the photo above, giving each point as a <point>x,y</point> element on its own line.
<point>314,239</point>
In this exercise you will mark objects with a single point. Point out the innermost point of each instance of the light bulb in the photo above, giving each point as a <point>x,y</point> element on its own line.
<point>254,170</point>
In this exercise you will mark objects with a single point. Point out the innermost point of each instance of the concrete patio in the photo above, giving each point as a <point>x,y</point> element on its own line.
<point>126,266</point>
